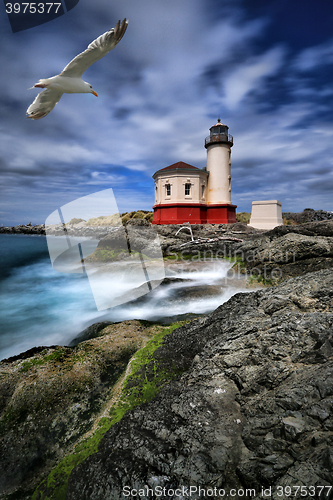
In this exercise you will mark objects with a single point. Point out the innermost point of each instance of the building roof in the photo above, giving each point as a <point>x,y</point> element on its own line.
<point>179,165</point>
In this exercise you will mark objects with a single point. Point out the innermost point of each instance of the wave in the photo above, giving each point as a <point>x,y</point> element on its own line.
<point>40,306</point>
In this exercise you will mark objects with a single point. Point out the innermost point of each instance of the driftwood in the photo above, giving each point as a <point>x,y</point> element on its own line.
<point>211,240</point>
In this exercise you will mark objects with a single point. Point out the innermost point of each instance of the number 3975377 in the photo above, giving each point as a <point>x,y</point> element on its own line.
<point>32,8</point>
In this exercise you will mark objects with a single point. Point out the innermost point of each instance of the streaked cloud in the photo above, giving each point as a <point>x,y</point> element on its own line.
<point>312,57</point>
<point>250,76</point>
<point>179,66</point>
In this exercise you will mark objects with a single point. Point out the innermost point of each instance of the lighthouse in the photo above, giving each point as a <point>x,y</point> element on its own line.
<point>218,145</point>
<point>184,193</point>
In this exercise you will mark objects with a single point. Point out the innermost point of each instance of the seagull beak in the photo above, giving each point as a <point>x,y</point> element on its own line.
<point>95,93</point>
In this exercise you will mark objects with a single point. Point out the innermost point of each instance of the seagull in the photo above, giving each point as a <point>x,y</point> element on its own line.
<point>69,80</point>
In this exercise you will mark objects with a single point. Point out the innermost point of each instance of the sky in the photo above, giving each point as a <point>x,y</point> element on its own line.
<point>265,67</point>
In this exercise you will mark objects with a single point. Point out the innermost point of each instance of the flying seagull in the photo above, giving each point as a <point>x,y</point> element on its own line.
<point>70,80</point>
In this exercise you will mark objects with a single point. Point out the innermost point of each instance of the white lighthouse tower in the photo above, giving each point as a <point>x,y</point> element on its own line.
<point>184,193</point>
<point>218,145</point>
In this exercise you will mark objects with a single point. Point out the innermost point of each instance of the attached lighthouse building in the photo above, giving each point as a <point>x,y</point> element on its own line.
<point>184,193</point>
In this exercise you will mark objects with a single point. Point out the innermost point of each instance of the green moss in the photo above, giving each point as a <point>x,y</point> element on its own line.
<point>239,263</point>
<point>11,417</point>
<point>106,255</point>
<point>262,280</point>
<point>57,355</point>
<point>142,384</point>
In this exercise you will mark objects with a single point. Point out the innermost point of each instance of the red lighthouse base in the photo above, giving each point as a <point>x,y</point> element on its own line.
<point>194,213</point>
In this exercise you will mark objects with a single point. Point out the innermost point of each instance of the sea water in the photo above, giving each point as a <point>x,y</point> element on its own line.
<point>41,306</point>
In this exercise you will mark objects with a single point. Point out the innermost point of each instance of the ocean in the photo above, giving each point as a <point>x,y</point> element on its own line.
<point>41,306</point>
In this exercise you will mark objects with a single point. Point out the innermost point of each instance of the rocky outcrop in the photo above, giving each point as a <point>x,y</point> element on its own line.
<point>308,215</point>
<point>245,395</point>
<point>274,255</point>
<point>321,228</point>
<point>50,397</point>
<point>79,231</point>
<point>253,409</point>
<point>282,254</point>
<point>23,229</point>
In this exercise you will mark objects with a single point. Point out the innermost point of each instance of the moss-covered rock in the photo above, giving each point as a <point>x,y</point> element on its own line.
<point>52,399</point>
<point>142,381</point>
<point>252,411</point>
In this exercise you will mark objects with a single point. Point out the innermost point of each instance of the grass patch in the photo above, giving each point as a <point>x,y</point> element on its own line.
<point>57,355</point>
<point>243,217</point>
<point>239,263</point>
<point>261,280</point>
<point>143,383</point>
<point>75,221</point>
<point>197,256</point>
<point>107,255</point>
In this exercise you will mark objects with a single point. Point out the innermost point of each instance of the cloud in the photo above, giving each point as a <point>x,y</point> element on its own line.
<point>312,57</point>
<point>178,67</point>
<point>249,76</point>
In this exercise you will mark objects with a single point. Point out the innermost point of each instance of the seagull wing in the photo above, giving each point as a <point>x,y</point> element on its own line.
<point>43,104</point>
<point>95,51</point>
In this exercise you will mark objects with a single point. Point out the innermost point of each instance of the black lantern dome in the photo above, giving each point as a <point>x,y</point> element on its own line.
<point>219,133</point>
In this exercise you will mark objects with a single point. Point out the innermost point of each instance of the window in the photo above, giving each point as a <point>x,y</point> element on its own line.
<point>187,189</point>
<point>202,191</point>
<point>168,189</point>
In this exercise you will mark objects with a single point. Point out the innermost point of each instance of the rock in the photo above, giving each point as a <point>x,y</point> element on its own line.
<point>323,228</point>
<point>115,241</point>
<point>24,229</point>
<point>278,254</point>
<point>253,407</point>
<point>51,396</point>
<point>137,235</point>
<point>290,254</point>
<point>308,215</point>
<point>89,333</point>
<point>138,222</point>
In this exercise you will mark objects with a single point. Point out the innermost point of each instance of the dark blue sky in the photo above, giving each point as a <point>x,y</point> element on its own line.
<point>265,67</point>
